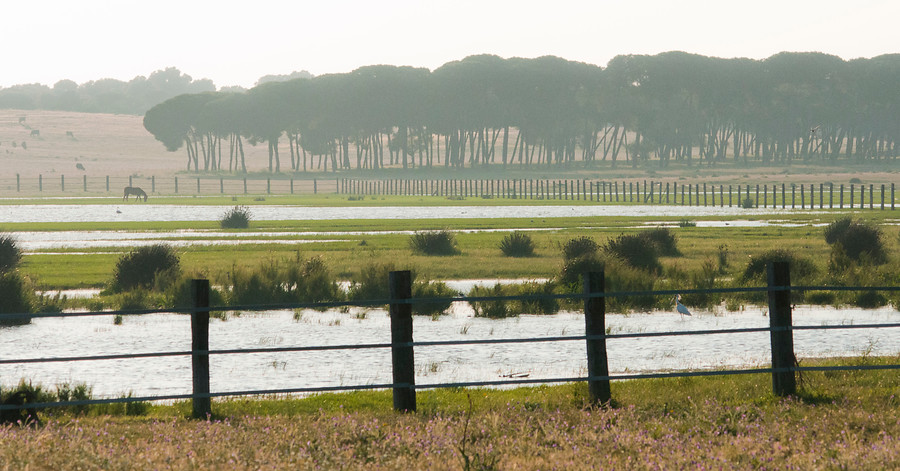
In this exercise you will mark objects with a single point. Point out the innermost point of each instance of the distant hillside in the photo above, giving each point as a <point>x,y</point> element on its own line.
<point>55,143</point>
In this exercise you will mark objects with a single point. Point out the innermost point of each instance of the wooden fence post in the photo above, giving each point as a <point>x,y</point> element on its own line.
<point>62,183</point>
<point>152,184</point>
<point>783,381</point>
<point>84,178</point>
<point>40,182</point>
<point>202,406</point>
<point>19,183</point>
<point>595,331</point>
<point>176,184</point>
<point>402,359</point>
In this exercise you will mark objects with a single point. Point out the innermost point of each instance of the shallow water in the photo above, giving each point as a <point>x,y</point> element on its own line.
<point>51,337</point>
<point>152,212</point>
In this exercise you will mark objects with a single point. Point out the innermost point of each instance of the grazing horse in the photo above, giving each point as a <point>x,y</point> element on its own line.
<point>134,191</point>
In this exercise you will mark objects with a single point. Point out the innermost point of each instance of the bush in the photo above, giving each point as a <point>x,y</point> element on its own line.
<point>434,289</point>
<point>664,240</point>
<point>541,305</point>
<point>16,297</point>
<point>434,243</point>
<point>800,268</point>
<point>372,282</point>
<point>310,281</point>
<point>517,244</point>
<point>635,250</point>
<point>747,203</point>
<point>285,281</point>
<point>10,254</point>
<point>141,267</point>
<point>23,394</point>
<point>835,230</point>
<point>579,247</point>
<point>495,309</point>
<point>237,217</point>
<point>859,240</point>
<point>619,277</point>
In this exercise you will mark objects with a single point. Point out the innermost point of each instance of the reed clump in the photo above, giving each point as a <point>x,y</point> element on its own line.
<point>440,243</point>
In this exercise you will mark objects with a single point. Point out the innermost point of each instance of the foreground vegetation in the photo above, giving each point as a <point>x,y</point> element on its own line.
<point>840,420</point>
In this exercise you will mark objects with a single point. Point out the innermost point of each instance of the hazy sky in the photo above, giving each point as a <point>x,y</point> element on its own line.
<point>45,41</point>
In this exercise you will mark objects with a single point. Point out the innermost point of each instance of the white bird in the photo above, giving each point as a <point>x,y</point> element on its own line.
<point>680,307</point>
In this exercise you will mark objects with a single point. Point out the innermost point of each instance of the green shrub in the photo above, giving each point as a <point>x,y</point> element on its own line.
<point>67,392</point>
<point>579,247</point>
<point>434,243</point>
<point>180,292</point>
<point>371,282</point>
<point>141,267</point>
<point>517,244</point>
<point>663,239</point>
<point>310,281</point>
<point>619,277</point>
<point>433,289</point>
<point>237,217</point>
<point>800,268</point>
<point>493,309</point>
<point>686,223</point>
<point>16,297</point>
<point>836,230</point>
<point>539,305</point>
<point>284,281</point>
<point>747,203</point>
<point>861,241</point>
<point>10,254</point>
<point>870,299</point>
<point>24,393</point>
<point>635,250</point>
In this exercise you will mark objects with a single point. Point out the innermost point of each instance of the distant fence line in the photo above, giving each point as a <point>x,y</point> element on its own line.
<point>784,195</point>
<point>784,365</point>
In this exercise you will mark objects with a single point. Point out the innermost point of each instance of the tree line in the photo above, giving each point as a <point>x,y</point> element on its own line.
<point>108,95</point>
<point>486,110</point>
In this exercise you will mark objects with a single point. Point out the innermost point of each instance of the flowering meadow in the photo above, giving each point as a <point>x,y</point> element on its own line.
<point>842,420</point>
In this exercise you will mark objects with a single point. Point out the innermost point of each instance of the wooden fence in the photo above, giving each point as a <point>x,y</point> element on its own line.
<point>784,195</point>
<point>642,192</point>
<point>783,369</point>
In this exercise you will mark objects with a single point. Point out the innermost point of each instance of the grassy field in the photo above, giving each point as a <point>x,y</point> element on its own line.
<point>840,420</point>
<point>480,256</point>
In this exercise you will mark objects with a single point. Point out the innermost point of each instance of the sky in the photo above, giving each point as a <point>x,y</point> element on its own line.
<point>237,42</point>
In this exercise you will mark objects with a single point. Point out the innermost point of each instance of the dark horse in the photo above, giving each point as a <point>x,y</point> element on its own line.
<point>134,191</point>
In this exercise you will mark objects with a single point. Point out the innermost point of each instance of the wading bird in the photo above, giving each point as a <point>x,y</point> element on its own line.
<point>680,307</point>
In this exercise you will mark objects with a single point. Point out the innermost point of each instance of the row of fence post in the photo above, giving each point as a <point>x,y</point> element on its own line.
<point>62,184</point>
<point>652,192</point>
<point>403,355</point>
<point>582,189</point>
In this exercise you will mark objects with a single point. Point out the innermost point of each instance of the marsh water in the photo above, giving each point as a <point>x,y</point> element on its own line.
<point>154,212</point>
<point>83,336</point>
<point>86,336</point>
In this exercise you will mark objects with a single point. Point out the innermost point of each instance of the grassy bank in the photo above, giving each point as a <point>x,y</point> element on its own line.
<point>841,420</point>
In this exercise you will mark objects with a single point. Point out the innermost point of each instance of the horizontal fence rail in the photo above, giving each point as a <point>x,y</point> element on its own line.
<point>783,369</point>
<point>777,195</point>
